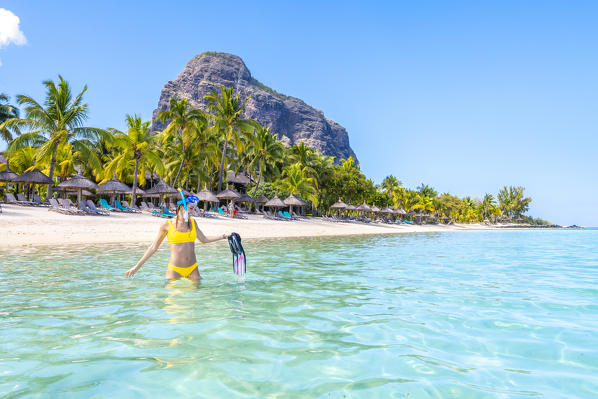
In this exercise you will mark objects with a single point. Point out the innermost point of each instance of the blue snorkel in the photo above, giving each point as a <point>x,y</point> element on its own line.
<point>184,201</point>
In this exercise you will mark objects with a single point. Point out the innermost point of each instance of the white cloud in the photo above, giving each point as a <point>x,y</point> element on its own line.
<point>10,33</point>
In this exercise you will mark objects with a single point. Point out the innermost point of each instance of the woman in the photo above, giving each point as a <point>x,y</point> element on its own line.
<point>181,237</point>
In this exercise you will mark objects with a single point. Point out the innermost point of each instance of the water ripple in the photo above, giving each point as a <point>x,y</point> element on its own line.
<point>467,315</point>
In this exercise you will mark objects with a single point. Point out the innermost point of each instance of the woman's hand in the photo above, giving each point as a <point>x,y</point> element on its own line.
<point>131,271</point>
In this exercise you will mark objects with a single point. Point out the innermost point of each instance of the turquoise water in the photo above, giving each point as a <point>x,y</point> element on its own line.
<point>496,314</point>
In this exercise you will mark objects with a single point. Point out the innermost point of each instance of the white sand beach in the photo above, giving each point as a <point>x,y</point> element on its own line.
<point>37,226</point>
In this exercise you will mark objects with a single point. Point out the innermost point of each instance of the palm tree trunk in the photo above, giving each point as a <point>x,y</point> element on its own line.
<point>222,164</point>
<point>257,183</point>
<point>176,179</point>
<point>134,182</point>
<point>51,175</point>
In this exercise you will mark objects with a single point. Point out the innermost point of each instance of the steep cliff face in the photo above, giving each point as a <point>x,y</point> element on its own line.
<point>292,119</point>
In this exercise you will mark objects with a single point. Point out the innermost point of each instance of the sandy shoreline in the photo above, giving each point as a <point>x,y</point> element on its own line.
<point>22,226</point>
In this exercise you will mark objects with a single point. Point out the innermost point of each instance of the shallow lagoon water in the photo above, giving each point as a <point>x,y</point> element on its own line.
<point>478,314</point>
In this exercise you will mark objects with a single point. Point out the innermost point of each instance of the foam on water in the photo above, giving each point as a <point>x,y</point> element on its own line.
<point>488,314</point>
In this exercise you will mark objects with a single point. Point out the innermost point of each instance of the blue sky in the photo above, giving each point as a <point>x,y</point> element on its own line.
<point>464,96</point>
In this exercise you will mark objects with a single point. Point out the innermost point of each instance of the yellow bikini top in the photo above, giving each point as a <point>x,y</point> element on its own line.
<point>177,237</point>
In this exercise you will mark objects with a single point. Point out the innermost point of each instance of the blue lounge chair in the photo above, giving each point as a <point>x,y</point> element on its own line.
<point>104,204</point>
<point>120,207</point>
<point>287,215</point>
<point>282,215</point>
<point>165,214</point>
<point>220,211</point>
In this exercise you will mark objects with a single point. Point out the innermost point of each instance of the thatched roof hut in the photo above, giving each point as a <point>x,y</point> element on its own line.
<point>239,178</point>
<point>363,207</point>
<point>8,176</point>
<point>161,188</point>
<point>207,195</point>
<point>79,182</point>
<point>33,176</point>
<point>338,205</point>
<point>245,198</point>
<point>291,200</point>
<point>228,194</point>
<point>114,186</point>
<point>261,200</point>
<point>275,203</point>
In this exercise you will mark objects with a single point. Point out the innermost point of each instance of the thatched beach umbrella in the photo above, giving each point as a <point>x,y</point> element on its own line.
<point>239,178</point>
<point>386,210</point>
<point>275,203</point>
<point>338,205</point>
<point>245,198</point>
<point>363,208</point>
<point>292,201</point>
<point>206,196</point>
<point>375,209</point>
<point>350,207</point>
<point>162,189</point>
<point>33,177</point>
<point>114,186</point>
<point>79,183</point>
<point>228,195</point>
<point>261,200</point>
<point>7,175</point>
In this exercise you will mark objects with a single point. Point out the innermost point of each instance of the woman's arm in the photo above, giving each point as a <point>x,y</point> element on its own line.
<point>206,239</point>
<point>150,251</point>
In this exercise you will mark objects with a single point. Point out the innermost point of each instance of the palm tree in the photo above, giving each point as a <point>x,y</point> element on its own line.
<point>297,182</point>
<point>22,159</point>
<point>391,184</point>
<point>264,150</point>
<point>486,205</point>
<point>303,155</point>
<point>7,112</point>
<point>424,203</point>
<point>227,110</point>
<point>182,120</point>
<point>137,144</point>
<point>58,121</point>
<point>427,191</point>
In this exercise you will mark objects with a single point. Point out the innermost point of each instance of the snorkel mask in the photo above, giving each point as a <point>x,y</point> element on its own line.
<point>184,201</point>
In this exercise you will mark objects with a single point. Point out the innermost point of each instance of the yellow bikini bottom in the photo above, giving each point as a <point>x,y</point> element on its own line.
<point>183,271</point>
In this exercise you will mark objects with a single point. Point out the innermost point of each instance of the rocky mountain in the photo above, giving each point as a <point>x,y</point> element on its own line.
<point>289,117</point>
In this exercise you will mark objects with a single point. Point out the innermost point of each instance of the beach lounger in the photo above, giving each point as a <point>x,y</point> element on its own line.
<point>37,200</point>
<point>123,208</point>
<point>287,215</point>
<point>220,211</point>
<point>93,207</point>
<point>68,205</point>
<point>104,204</point>
<point>134,208</point>
<point>165,214</point>
<point>83,206</point>
<point>21,198</point>
<point>145,207</point>
<point>10,199</point>
<point>56,207</point>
